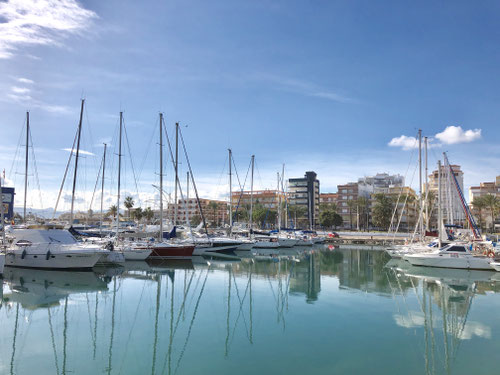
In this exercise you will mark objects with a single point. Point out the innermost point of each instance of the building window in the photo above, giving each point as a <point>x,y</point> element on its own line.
<point>344,210</point>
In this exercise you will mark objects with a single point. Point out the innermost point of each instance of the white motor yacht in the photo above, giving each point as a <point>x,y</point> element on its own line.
<point>50,248</point>
<point>451,256</point>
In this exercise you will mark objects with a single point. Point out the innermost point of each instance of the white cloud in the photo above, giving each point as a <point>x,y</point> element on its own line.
<point>451,135</point>
<point>39,22</point>
<point>25,80</point>
<point>20,90</point>
<point>406,143</point>
<point>83,152</point>
<point>455,134</point>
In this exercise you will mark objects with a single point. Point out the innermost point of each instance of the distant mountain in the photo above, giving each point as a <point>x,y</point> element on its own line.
<point>45,213</point>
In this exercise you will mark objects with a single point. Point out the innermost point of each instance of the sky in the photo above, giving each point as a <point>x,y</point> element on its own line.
<point>337,87</point>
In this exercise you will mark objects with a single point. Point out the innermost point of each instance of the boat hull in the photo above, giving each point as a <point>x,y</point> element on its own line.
<point>448,261</point>
<point>136,254</point>
<point>66,260</point>
<point>2,263</point>
<point>176,252</point>
<point>288,242</point>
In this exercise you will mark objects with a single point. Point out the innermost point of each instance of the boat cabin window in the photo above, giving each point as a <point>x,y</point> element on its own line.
<point>460,249</point>
<point>23,243</point>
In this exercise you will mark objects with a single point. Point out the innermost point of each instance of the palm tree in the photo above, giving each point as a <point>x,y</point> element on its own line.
<point>148,214</point>
<point>493,203</point>
<point>112,211</point>
<point>363,204</point>
<point>479,205</point>
<point>138,214</point>
<point>351,204</point>
<point>129,203</point>
<point>214,206</point>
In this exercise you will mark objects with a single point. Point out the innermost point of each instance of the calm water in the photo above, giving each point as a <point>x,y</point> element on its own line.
<point>321,312</point>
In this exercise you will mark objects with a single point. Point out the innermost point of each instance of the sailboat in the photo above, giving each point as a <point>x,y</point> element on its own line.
<point>48,246</point>
<point>454,255</point>
<point>163,248</point>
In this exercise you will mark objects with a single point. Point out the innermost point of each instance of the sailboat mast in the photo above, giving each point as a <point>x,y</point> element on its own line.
<point>2,213</point>
<point>176,170</point>
<point>119,176</point>
<point>251,195</point>
<point>439,204</point>
<point>102,187</point>
<point>76,164</point>
<point>279,201</point>
<point>161,179</point>
<point>230,191</point>
<point>186,206</point>
<point>26,163</point>
<point>282,192</point>
<point>420,180</point>
<point>426,186</point>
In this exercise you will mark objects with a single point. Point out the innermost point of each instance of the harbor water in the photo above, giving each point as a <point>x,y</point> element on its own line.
<point>320,310</point>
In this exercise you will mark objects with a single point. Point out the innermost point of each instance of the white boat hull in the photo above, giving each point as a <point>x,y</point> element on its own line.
<point>288,242</point>
<point>450,261</point>
<point>112,257</point>
<point>136,254</point>
<point>67,260</point>
<point>2,263</point>
<point>266,245</point>
<point>495,266</point>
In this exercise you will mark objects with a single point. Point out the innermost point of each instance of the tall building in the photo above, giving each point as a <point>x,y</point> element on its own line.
<point>304,192</point>
<point>451,204</point>
<point>345,194</point>
<point>216,212</point>
<point>485,188</point>
<point>266,198</point>
<point>380,183</point>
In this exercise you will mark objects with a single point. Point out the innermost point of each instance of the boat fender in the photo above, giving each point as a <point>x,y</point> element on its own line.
<point>47,256</point>
<point>23,255</point>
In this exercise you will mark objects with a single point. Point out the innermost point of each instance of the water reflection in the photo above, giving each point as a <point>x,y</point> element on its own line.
<point>167,317</point>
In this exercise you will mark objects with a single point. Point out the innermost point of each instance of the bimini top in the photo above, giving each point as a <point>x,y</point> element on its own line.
<point>44,236</point>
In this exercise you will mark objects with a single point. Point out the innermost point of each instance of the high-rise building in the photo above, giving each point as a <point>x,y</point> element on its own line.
<point>304,192</point>
<point>380,183</point>
<point>451,205</point>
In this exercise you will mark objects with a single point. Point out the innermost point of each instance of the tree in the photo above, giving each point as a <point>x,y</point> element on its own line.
<point>148,214</point>
<point>330,206</point>
<point>112,211</point>
<point>479,205</point>
<point>195,220</point>
<point>382,211</point>
<point>351,204</point>
<point>493,204</point>
<point>261,215</point>
<point>337,220</point>
<point>213,206</point>
<point>326,218</point>
<point>129,203</point>
<point>363,207</point>
<point>138,214</point>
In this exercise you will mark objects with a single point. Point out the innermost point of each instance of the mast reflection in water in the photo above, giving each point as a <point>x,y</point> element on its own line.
<point>318,311</point>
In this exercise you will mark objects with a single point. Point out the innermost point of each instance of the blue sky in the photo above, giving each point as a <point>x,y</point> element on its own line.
<point>317,85</point>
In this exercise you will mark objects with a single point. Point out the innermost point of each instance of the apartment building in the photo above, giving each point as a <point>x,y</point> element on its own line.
<point>215,211</point>
<point>345,194</point>
<point>304,192</point>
